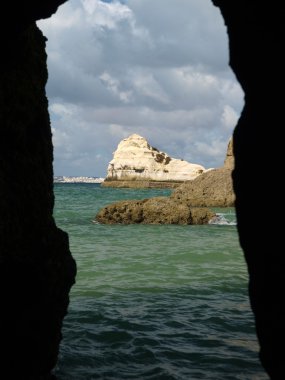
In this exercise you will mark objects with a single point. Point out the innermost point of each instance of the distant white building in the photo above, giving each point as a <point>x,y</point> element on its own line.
<point>66,179</point>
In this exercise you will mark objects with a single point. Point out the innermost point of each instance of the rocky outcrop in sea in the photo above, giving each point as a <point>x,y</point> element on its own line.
<point>156,210</point>
<point>188,204</point>
<point>213,188</point>
<point>136,163</point>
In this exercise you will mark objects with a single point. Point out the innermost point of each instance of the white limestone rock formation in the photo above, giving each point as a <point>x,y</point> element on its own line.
<point>135,159</point>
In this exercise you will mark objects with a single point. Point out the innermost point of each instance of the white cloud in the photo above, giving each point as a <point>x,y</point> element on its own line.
<point>147,85</point>
<point>229,117</point>
<point>114,85</point>
<point>105,15</point>
<point>139,67</point>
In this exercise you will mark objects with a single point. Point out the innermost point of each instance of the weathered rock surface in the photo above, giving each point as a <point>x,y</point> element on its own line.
<point>229,162</point>
<point>186,205</point>
<point>157,210</point>
<point>142,184</point>
<point>136,160</point>
<point>210,189</point>
<point>213,188</point>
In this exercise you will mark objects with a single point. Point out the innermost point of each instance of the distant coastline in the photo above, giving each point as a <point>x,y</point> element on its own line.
<point>69,179</point>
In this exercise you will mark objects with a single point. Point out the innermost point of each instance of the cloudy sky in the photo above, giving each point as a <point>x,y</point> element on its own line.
<point>158,68</point>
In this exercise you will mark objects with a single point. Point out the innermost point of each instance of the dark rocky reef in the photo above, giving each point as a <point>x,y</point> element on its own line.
<point>256,40</point>
<point>36,267</point>
<point>156,210</point>
<point>136,184</point>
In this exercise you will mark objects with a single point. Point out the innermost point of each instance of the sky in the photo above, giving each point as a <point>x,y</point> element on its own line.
<point>158,68</point>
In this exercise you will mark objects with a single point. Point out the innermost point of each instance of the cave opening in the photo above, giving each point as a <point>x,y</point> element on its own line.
<point>71,113</point>
<point>37,267</point>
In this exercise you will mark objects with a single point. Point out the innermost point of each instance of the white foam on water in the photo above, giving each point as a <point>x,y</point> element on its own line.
<point>221,219</point>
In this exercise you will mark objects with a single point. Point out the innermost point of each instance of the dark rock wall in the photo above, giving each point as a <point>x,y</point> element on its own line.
<point>256,41</point>
<point>36,267</point>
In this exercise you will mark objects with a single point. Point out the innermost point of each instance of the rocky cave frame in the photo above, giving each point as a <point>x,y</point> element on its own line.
<point>37,269</point>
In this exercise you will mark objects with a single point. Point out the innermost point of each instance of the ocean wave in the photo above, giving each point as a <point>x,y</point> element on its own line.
<point>223,219</point>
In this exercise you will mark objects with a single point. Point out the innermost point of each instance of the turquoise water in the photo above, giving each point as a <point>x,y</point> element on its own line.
<point>153,302</point>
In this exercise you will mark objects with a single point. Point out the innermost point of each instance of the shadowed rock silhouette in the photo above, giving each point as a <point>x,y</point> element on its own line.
<point>37,269</point>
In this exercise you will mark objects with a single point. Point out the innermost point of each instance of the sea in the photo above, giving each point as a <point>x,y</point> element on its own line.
<point>153,302</point>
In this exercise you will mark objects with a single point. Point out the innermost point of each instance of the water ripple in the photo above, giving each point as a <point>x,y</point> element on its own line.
<point>154,302</point>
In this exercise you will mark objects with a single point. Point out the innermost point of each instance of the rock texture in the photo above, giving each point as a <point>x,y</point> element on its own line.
<point>187,204</point>
<point>256,40</point>
<point>141,184</point>
<point>157,210</point>
<point>229,162</point>
<point>214,188</point>
<point>210,189</point>
<point>36,266</point>
<point>136,160</point>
